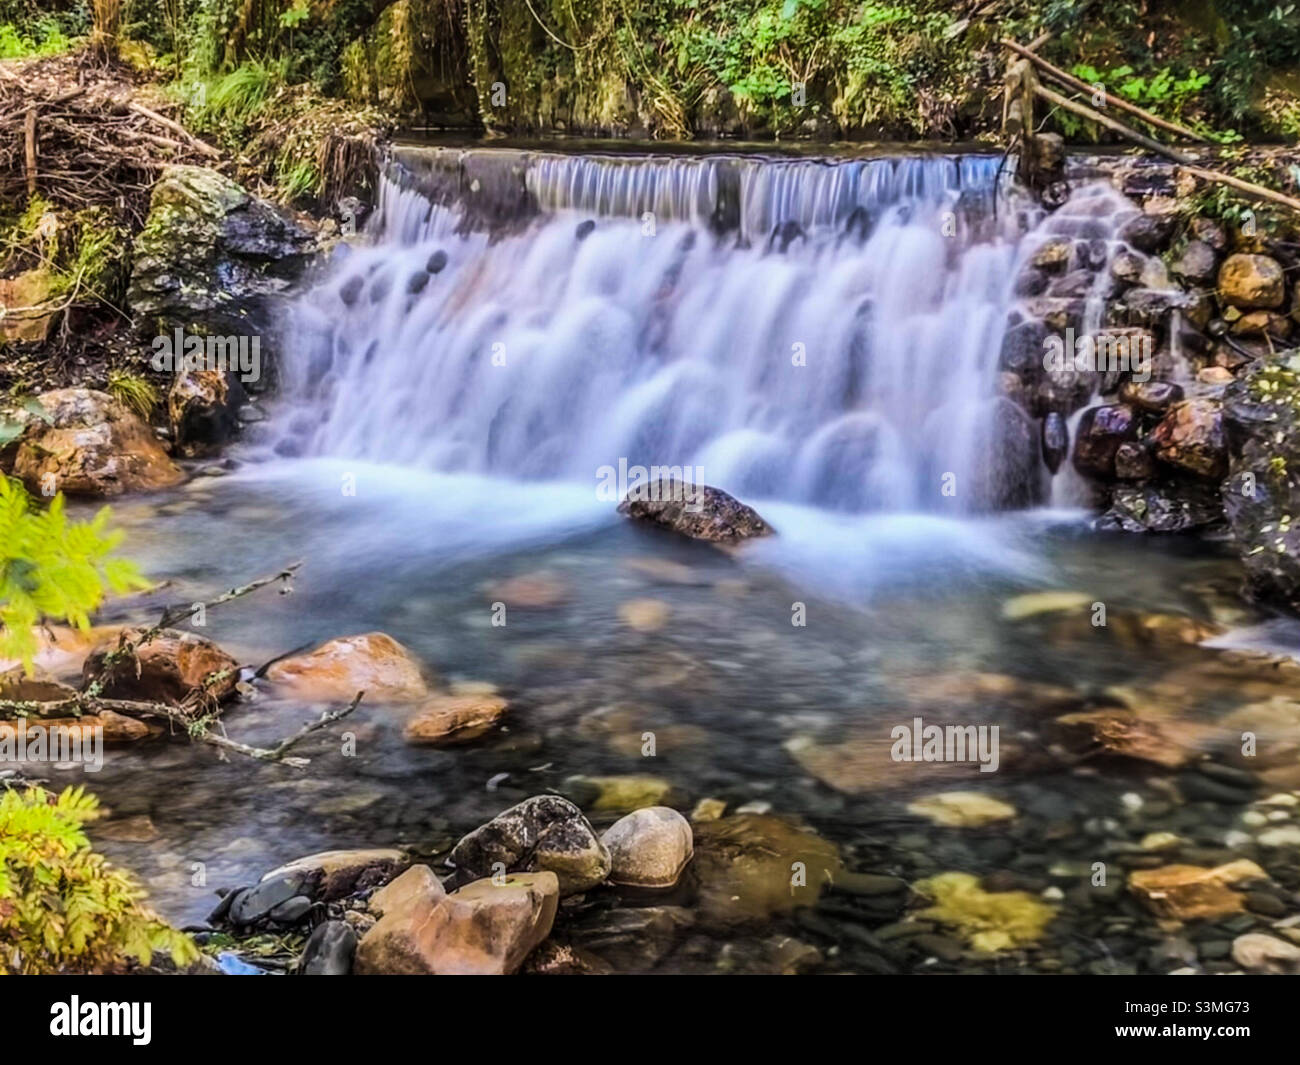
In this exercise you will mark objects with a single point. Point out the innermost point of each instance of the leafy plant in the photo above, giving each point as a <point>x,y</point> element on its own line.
<point>64,908</point>
<point>51,567</point>
<point>49,39</point>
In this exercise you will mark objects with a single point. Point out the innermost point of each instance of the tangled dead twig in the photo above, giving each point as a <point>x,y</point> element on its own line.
<point>86,144</point>
<point>198,714</point>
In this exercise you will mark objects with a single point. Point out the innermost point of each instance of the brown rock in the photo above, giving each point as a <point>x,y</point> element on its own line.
<point>443,720</point>
<point>168,668</point>
<point>1252,281</point>
<point>19,298</point>
<point>1100,433</point>
<point>201,407</point>
<point>1124,733</point>
<point>487,928</point>
<point>644,615</point>
<point>335,671</point>
<point>1191,437</point>
<point>1193,892</point>
<point>116,728</point>
<point>417,888</point>
<point>89,444</point>
<point>649,847</point>
<point>530,591</point>
<point>1154,396</point>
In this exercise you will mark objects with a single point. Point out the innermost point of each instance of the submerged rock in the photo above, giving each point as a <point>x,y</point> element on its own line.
<point>546,832</point>
<point>84,443</point>
<point>962,809</point>
<point>449,719</point>
<point>697,511</point>
<point>336,670</point>
<point>1191,892</point>
<point>751,866</point>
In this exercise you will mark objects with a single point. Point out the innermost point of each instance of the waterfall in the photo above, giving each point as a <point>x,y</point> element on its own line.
<point>814,331</point>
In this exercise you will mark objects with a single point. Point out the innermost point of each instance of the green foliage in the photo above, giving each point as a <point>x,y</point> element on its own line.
<point>44,37</point>
<point>235,99</point>
<point>51,567</point>
<point>134,393</point>
<point>64,908</point>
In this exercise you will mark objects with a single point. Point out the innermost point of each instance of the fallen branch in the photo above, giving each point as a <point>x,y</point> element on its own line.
<point>1071,82</point>
<point>177,128</point>
<point>1248,187</point>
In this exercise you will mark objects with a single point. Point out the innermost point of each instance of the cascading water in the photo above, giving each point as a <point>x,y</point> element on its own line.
<point>817,332</point>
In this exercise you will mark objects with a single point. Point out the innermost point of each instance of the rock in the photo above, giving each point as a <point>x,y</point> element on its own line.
<point>751,866</point>
<point>84,443</point>
<point>1125,734</point>
<point>291,911</point>
<point>546,832</point>
<point>620,794</point>
<point>168,668</point>
<point>1127,267</point>
<point>329,950</point>
<point>1153,396</point>
<point>564,959</point>
<point>210,254</point>
<point>487,928</point>
<point>862,762</point>
<point>1005,470</point>
<point>1034,603</point>
<point>1261,497</point>
<point>202,409</point>
<point>1150,307</point>
<point>1218,376</point>
<point>1149,233</point>
<point>530,591</point>
<point>1250,281</point>
<point>990,921</point>
<point>1262,323</point>
<point>1101,431</point>
<point>632,940</point>
<point>1159,508</point>
<point>1191,892</point>
<point>1055,441</point>
<point>443,720</point>
<point>137,829</point>
<point>709,810</point>
<point>698,511</point>
<point>1197,262</point>
<point>644,615</point>
<point>332,875</point>
<point>1262,953</point>
<point>962,809</point>
<point>30,289</point>
<point>1282,836</point>
<point>417,888</point>
<point>1134,462</point>
<point>1191,437</point>
<point>649,847</point>
<point>256,903</point>
<point>336,670</point>
<point>1053,255</point>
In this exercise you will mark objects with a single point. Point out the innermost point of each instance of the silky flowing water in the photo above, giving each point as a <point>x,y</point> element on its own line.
<point>410,471</point>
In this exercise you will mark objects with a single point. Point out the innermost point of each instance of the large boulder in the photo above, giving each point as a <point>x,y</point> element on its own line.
<point>84,443</point>
<point>210,254</point>
<point>171,666</point>
<point>697,511</point>
<point>1248,281</point>
<point>546,832</point>
<point>486,928</point>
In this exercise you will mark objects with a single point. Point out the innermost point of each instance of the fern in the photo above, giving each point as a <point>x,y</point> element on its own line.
<point>64,908</point>
<point>51,567</point>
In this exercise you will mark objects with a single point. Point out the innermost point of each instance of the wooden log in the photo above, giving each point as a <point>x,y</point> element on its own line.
<point>1071,82</point>
<point>177,128</point>
<point>1111,124</point>
<point>1245,186</point>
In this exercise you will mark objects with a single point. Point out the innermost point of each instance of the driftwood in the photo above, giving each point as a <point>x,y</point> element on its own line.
<point>198,714</point>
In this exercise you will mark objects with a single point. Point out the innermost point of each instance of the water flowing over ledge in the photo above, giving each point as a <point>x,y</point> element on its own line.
<point>815,331</point>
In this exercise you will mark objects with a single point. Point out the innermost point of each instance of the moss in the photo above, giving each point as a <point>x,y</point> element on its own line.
<point>991,921</point>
